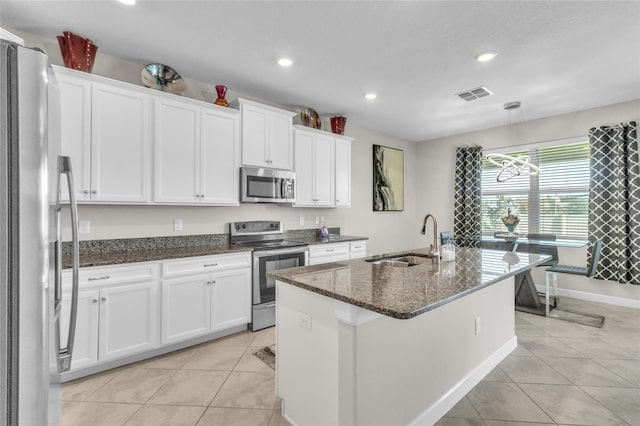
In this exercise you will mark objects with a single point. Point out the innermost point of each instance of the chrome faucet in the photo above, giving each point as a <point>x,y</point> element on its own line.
<point>433,250</point>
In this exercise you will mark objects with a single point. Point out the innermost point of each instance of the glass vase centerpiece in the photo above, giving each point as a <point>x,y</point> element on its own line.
<point>511,220</point>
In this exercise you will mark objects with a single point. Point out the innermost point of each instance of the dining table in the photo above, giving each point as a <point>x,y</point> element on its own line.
<point>527,298</point>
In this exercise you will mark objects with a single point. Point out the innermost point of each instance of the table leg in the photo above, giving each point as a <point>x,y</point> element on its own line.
<point>526,294</point>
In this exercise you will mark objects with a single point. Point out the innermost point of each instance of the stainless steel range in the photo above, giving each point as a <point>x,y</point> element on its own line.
<point>270,252</point>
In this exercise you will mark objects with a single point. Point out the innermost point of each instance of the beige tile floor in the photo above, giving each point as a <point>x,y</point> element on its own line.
<point>561,373</point>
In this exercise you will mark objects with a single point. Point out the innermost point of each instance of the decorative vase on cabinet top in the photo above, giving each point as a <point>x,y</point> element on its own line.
<point>337,124</point>
<point>222,91</point>
<point>78,53</point>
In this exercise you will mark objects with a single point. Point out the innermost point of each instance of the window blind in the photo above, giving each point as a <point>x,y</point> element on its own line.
<point>553,202</point>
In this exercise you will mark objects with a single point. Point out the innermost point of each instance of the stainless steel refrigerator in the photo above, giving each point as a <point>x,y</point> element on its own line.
<point>31,173</point>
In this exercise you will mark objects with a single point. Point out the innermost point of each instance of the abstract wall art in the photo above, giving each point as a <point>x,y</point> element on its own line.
<point>388,179</point>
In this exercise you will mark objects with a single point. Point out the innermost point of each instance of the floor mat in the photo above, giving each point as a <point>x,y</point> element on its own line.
<point>268,355</point>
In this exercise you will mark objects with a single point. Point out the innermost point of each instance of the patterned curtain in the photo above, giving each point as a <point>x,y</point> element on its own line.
<point>467,211</point>
<point>614,201</point>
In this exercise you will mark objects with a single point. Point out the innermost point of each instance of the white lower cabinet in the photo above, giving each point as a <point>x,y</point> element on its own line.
<point>128,320</point>
<point>118,313</point>
<point>201,304</point>
<point>196,303</point>
<point>85,349</point>
<point>186,307</point>
<point>337,252</point>
<point>231,299</point>
<point>357,249</point>
<point>332,252</point>
<point>131,309</point>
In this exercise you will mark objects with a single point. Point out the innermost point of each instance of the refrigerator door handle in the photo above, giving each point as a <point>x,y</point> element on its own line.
<point>64,354</point>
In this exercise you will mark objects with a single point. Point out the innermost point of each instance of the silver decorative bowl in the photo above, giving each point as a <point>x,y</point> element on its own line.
<point>164,78</point>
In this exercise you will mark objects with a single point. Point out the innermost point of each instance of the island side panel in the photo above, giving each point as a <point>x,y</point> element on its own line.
<point>307,359</point>
<point>406,367</point>
<point>386,371</point>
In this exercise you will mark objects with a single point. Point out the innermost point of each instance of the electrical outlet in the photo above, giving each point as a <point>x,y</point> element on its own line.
<point>317,220</point>
<point>477,325</point>
<point>84,226</point>
<point>177,225</point>
<point>304,321</point>
<point>301,220</point>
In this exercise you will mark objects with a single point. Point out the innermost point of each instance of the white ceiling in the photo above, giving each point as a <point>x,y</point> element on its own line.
<point>555,57</point>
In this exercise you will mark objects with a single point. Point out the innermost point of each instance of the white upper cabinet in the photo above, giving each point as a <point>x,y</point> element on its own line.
<point>105,131</point>
<point>75,97</point>
<point>120,144</point>
<point>267,135</point>
<point>220,157</point>
<point>343,172</point>
<point>177,146</point>
<point>196,153</point>
<point>315,168</point>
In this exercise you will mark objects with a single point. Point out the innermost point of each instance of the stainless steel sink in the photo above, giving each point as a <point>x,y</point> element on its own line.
<point>402,260</point>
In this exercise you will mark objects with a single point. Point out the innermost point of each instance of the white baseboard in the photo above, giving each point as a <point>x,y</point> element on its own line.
<point>595,297</point>
<point>441,407</point>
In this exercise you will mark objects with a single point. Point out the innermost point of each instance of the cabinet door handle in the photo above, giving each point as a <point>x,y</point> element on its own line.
<point>208,265</point>
<point>104,299</point>
<point>94,191</point>
<point>94,300</point>
<point>212,282</point>
<point>106,277</point>
<point>85,191</point>
<point>328,250</point>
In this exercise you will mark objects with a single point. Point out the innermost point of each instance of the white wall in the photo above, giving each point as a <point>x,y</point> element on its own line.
<point>388,231</point>
<point>435,177</point>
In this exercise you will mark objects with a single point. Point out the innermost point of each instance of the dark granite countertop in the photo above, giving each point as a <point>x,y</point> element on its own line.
<point>150,255</point>
<point>405,292</point>
<point>332,238</point>
<point>149,249</point>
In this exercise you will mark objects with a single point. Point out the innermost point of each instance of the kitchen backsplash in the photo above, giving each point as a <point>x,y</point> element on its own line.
<point>96,247</point>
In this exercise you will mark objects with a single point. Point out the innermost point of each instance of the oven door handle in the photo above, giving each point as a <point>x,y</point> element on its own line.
<point>298,249</point>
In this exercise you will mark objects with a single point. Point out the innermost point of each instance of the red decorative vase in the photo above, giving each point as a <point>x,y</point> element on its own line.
<point>222,91</point>
<point>337,124</point>
<point>77,53</point>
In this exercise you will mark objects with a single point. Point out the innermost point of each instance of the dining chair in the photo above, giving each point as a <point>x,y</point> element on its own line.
<point>588,271</point>
<point>551,250</point>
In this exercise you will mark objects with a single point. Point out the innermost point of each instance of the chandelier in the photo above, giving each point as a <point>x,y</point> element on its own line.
<point>512,166</point>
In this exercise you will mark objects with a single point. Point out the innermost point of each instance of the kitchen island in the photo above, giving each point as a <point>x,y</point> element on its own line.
<point>367,343</point>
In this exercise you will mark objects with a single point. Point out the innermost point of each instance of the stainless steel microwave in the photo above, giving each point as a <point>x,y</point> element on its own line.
<point>261,185</point>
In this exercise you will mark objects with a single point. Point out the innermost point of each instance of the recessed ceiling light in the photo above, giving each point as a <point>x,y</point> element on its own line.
<point>128,2</point>
<point>486,56</point>
<point>370,96</point>
<point>285,62</point>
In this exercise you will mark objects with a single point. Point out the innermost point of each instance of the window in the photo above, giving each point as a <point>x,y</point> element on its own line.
<point>556,201</point>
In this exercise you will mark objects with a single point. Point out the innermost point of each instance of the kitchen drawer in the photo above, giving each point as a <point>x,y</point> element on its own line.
<point>329,249</point>
<point>120,274</point>
<point>358,249</point>
<point>198,265</point>
<point>323,253</point>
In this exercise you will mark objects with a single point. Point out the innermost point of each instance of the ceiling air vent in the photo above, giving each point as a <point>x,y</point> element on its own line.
<point>473,94</point>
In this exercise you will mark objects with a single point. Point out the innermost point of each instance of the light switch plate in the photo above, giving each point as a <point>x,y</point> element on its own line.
<point>177,225</point>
